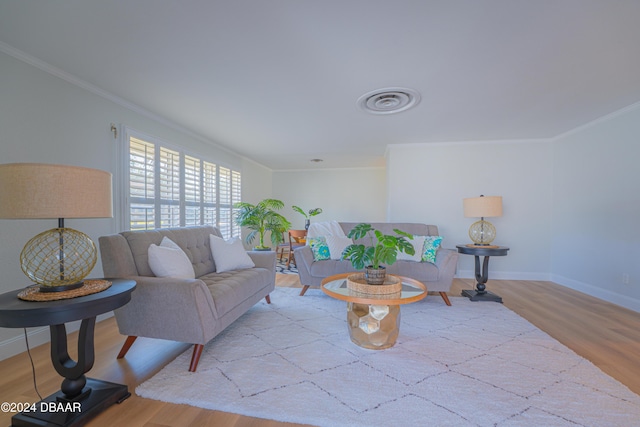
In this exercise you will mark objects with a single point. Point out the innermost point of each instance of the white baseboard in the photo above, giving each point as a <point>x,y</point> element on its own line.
<point>37,336</point>
<point>17,345</point>
<point>603,294</point>
<point>505,275</point>
<point>619,299</point>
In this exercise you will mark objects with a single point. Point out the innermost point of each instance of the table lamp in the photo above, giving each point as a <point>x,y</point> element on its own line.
<point>58,259</point>
<point>482,232</point>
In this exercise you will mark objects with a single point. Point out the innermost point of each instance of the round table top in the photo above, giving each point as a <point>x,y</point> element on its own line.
<point>16,313</point>
<point>482,250</point>
<point>336,287</point>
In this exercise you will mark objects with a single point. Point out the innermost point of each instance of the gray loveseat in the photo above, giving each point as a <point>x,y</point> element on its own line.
<point>185,310</point>
<point>437,277</point>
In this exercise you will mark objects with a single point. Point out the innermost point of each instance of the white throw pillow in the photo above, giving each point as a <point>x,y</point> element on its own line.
<point>418,245</point>
<point>229,254</point>
<point>337,245</point>
<point>168,243</point>
<point>169,260</point>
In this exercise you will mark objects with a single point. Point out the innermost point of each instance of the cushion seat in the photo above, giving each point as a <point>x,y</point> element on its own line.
<point>424,272</point>
<point>230,288</point>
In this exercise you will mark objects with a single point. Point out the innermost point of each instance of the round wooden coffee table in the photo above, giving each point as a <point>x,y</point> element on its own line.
<point>373,320</point>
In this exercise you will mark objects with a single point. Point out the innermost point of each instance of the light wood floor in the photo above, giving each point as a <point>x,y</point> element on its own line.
<point>606,334</point>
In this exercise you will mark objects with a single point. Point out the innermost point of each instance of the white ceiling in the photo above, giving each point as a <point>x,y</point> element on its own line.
<point>278,80</point>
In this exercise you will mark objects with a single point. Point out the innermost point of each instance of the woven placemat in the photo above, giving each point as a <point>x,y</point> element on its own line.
<point>32,293</point>
<point>357,282</point>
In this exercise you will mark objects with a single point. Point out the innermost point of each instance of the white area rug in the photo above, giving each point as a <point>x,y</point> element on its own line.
<point>472,364</point>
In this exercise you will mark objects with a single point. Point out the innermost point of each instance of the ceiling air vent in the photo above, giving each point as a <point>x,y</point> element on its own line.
<point>389,100</point>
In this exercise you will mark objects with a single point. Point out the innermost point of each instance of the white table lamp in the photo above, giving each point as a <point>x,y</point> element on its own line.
<point>482,232</point>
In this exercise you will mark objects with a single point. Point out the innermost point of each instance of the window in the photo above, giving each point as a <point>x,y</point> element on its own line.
<point>169,188</point>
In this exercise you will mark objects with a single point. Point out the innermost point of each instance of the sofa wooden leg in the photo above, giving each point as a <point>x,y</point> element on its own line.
<point>126,346</point>
<point>445,297</point>
<point>304,289</point>
<point>195,357</point>
<point>268,299</point>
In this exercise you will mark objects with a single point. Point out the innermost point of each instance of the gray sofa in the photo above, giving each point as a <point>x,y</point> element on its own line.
<point>437,277</point>
<point>185,310</point>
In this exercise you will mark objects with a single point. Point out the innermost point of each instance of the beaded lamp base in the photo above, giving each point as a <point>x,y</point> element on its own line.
<point>60,257</point>
<point>482,232</point>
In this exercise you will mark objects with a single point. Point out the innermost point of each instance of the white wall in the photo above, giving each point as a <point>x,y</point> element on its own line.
<point>343,194</point>
<point>44,118</point>
<point>256,181</point>
<point>427,183</point>
<point>596,208</point>
<point>571,204</point>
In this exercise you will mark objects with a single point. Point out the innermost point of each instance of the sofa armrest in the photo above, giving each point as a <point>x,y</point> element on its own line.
<point>116,256</point>
<point>304,254</point>
<point>447,262</point>
<point>304,260</point>
<point>264,259</point>
<point>168,308</point>
<point>443,256</point>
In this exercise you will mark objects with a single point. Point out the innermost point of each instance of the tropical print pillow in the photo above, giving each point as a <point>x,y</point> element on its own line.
<point>319,248</point>
<point>431,245</point>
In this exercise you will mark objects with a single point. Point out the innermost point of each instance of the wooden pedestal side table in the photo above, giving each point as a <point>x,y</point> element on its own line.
<point>480,293</point>
<point>373,319</point>
<point>80,398</point>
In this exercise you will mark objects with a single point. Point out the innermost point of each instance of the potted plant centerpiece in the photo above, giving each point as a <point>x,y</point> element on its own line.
<point>261,218</point>
<point>383,250</point>
<point>307,215</point>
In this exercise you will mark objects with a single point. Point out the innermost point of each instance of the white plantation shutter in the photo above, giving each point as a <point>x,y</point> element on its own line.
<point>168,188</point>
<point>192,191</point>
<point>224,207</point>
<point>209,193</point>
<point>169,177</point>
<point>141,185</point>
<point>236,196</point>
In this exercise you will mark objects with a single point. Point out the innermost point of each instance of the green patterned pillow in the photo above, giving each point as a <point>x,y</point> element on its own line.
<point>319,248</point>
<point>431,245</point>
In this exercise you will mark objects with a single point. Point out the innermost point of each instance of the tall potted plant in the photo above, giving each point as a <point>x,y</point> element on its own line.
<point>307,215</point>
<point>383,249</point>
<point>261,218</point>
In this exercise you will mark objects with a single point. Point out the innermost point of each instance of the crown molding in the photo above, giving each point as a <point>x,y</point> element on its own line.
<point>76,81</point>
<point>598,121</point>
<point>329,169</point>
<point>390,147</point>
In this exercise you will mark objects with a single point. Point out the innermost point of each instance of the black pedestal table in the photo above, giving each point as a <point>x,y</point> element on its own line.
<point>79,398</point>
<point>482,275</point>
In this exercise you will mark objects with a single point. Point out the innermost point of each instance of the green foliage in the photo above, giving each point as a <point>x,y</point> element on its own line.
<point>261,218</point>
<point>309,214</point>
<point>384,250</point>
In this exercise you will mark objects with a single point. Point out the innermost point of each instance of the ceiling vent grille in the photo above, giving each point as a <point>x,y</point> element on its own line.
<point>389,100</point>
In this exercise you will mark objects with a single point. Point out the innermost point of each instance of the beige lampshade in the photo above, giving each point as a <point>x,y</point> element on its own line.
<point>38,190</point>
<point>482,207</point>
<point>60,258</point>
